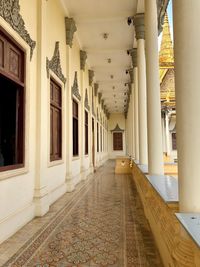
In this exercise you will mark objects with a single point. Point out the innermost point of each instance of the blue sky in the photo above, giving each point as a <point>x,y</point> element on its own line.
<point>170,16</point>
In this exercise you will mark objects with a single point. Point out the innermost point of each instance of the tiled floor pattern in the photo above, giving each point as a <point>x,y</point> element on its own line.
<point>102,225</point>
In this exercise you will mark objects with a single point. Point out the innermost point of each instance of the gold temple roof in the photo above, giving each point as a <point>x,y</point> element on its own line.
<point>166,62</point>
<point>166,55</point>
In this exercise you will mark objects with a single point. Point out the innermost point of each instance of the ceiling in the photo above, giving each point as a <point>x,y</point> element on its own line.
<point>106,56</point>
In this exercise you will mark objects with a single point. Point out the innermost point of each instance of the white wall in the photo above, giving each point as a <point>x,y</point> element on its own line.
<point>29,191</point>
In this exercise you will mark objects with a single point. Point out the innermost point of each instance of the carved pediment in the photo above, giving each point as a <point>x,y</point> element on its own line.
<point>54,64</point>
<point>86,101</point>
<point>9,10</point>
<point>75,89</point>
<point>70,27</point>
<point>99,97</point>
<point>83,57</point>
<point>96,87</point>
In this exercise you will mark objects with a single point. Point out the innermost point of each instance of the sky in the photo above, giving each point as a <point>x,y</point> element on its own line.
<point>170,16</point>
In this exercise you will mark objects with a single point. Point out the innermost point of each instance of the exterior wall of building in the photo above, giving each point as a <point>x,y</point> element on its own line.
<point>29,191</point>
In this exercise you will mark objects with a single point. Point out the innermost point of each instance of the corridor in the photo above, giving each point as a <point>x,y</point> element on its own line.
<point>101,223</point>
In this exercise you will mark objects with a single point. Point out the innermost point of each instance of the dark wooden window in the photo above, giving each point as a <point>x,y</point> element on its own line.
<point>75,128</point>
<point>117,141</point>
<point>174,141</point>
<point>55,121</point>
<point>86,132</point>
<point>12,91</point>
<point>97,137</point>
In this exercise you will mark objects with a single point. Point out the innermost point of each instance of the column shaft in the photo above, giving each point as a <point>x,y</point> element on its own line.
<point>155,153</point>
<point>142,102</point>
<point>135,71</point>
<point>187,86</point>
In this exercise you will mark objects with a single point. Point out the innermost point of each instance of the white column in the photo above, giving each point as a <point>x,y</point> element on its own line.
<point>164,134</point>
<point>155,153</point>
<point>137,142</point>
<point>133,53</point>
<point>133,121</point>
<point>187,86</point>
<point>139,28</point>
<point>41,183</point>
<point>69,141</point>
<point>82,126</point>
<point>167,133</point>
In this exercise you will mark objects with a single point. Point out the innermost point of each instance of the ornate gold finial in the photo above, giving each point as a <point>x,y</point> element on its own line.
<point>166,55</point>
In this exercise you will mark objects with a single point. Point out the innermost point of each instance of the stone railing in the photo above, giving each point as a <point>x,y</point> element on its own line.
<point>176,246</point>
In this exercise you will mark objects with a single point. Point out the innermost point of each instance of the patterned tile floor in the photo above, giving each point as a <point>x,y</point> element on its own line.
<point>100,224</point>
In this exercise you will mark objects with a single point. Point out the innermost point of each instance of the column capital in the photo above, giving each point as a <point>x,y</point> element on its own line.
<point>83,57</point>
<point>138,21</point>
<point>133,54</point>
<point>70,28</point>
<point>91,76</point>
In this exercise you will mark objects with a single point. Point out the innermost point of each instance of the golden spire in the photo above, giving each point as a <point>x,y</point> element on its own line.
<point>166,54</point>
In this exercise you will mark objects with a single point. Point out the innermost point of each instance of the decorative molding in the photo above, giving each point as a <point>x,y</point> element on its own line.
<point>99,97</point>
<point>117,129</point>
<point>91,76</point>
<point>97,114</point>
<point>138,21</point>
<point>54,64</point>
<point>10,12</point>
<point>70,28</point>
<point>86,102</point>
<point>96,87</point>
<point>83,57</point>
<point>75,90</point>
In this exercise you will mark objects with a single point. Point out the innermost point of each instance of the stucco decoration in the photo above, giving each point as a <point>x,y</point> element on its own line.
<point>99,97</point>
<point>83,57</point>
<point>117,129</point>
<point>9,11</point>
<point>91,76</point>
<point>96,87</point>
<point>75,89</point>
<point>54,64</point>
<point>86,101</point>
<point>70,28</point>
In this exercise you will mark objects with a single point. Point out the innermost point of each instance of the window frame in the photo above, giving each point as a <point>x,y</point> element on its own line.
<point>114,144</point>
<point>86,133</point>
<point>56,106</point>
<point>97,136</point>
<point>75,117</point>
<point>20,82</point>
